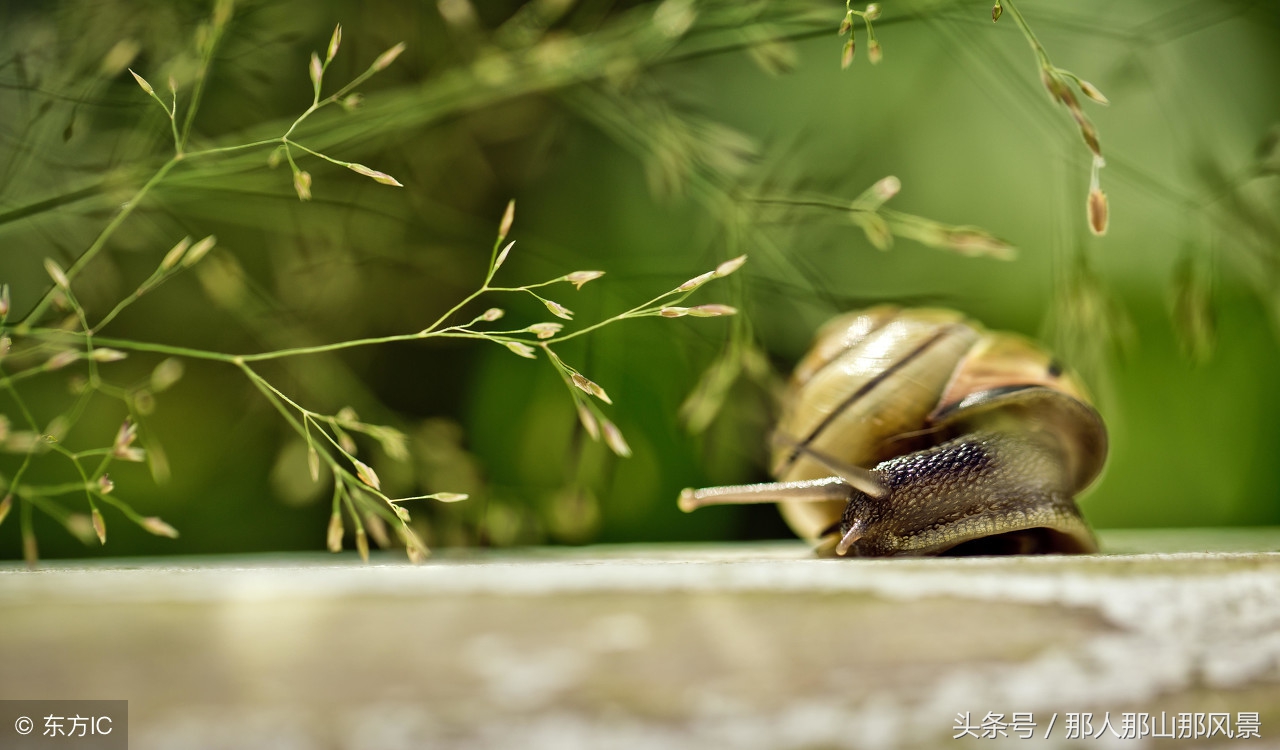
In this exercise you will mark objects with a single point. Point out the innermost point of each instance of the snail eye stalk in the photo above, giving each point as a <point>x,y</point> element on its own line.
<point>808,491</point>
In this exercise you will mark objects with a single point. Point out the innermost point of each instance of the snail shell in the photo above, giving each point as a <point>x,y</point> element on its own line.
<point>944,438</point>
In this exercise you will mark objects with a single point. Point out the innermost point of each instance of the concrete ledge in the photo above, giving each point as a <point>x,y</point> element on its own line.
<point>757,646</point>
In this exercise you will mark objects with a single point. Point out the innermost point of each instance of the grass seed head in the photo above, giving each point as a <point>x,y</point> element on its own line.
<point>366,474</point>
<point>316,70</point>
<point>362,545</point>
<point>545,330</point>
<point>81,527</point>
<point>99,527</point>
<point>302,184</point>
<point>558,310</point>
<point>613,438</point>
<point>56,273</point>
<point>334,42</point>
<point>846,53</point>
<point>1091,91</point>
<point>502,256</point>
<point>313,463</point>
<point>1098,212</point>
<point>729,266</point>
<point>696,282</point>
<point>174,255</point>
<point>508,218</point>
<point>132,454</point>
<point>976,242</point>
<point>381,177</point>
<point>201,249</point>
<point>1057,89</point>
<point>588,422</point>
<point>61,360</point>
<point>588,386</point>
<point>24,441</point>
<point>1089,133</point>
<point>886,188</point>
<point>388,57</point>
<point>166,374</point>
<point>333,538</point>
<point>377,530</point>
<point>578,278</point>
<point>521,349</point>
<point>1097,205</point>
<point>125,436</point>
<point>712,311</point>
<point>157,526</point>
<point>142,82</point>
<point>118,57</point>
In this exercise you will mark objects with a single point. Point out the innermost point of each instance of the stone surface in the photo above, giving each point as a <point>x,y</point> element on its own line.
<point>756,646</point>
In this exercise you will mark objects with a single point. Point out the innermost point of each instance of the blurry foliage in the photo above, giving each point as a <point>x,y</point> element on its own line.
<point>654,141</point>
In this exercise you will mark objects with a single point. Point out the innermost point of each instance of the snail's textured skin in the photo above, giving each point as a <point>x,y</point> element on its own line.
<point>980,486</point>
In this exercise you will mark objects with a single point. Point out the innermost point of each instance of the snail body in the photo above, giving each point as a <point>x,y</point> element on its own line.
<point>918,432</point>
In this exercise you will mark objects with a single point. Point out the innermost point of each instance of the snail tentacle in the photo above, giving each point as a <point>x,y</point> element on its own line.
<point>808,491</point>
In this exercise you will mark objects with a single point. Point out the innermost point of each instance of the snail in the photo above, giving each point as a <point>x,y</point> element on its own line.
<point>919,432</point>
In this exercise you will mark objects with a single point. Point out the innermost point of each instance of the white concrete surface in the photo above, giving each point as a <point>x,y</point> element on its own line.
<point>757,646</point>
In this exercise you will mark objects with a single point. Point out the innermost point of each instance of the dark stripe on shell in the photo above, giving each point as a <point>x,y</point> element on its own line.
<point>984,396</point>
<point>866,388</point>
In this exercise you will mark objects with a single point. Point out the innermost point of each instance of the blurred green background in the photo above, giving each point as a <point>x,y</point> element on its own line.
<point>636,138</point>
